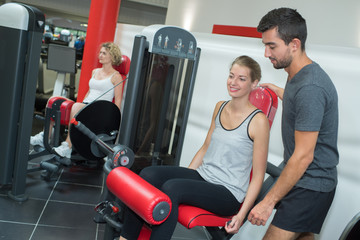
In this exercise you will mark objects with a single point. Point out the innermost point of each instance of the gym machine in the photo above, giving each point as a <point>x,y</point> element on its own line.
<point>153,206</point>
<point>161,80</point>
<point>21,30</point>
<point>158,96</point>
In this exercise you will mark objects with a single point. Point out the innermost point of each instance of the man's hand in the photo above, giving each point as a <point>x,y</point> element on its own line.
<point>260,213</point>
<point>277,90</point>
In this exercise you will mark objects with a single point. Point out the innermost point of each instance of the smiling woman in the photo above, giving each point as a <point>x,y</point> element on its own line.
<point>217,178</point>
<point>247,68</point>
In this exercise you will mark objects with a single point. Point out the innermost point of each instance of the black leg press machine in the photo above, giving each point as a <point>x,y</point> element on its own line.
<point>21,31</point>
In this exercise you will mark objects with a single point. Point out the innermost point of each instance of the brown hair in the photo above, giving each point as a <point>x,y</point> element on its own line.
<point>246,61</point>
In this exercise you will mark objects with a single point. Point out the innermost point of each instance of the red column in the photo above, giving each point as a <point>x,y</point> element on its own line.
<point>101,28</point>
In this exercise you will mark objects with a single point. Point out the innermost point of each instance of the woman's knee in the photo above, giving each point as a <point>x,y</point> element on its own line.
<point>76,107</point>
<point>149,173</point>
<point>173,188</point>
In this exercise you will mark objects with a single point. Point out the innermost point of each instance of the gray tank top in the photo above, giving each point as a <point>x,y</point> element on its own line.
<point>228,160</point>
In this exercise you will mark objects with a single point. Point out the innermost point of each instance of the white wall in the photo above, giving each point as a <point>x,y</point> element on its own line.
<point>217,52</point>
<point>330,22</point>
<point>339,62</point>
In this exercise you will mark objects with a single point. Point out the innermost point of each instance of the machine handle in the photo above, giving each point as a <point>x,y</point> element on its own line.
<point>113,223</point>
<point>82,128</point>
<point>273,170</point>
<point>86,131</point>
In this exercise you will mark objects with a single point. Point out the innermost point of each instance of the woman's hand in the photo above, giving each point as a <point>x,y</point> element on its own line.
<point>234,225</point>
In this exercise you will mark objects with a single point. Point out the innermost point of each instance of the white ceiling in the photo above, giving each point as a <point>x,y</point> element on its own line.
<point>72,13</point>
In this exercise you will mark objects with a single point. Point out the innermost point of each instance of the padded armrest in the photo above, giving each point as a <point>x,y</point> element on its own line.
<point>152,205</point>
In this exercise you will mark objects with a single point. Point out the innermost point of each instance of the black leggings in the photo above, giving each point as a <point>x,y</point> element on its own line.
<point>182,185</point>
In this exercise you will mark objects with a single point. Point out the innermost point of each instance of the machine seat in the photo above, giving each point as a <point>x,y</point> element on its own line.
<point>190,216</point>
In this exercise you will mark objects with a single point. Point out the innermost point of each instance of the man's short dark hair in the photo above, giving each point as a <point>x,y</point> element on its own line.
<point>289,23</point>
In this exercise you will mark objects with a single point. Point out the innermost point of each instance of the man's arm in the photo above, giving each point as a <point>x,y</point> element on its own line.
<point>295,168</point>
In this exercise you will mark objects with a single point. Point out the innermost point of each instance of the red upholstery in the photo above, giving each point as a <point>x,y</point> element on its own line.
<point>190,216</point>
<point>62,104</point>
<point>139,195</point>
<point>53,101</point>
<point>123,68</point>
<point>266,100</point>
<point>65,110</point>
<point>145,233</point>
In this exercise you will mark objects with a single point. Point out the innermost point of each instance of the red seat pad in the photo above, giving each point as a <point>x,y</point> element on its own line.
<point>144,199</point>
<point>145,233</point>
<point>190,216</point>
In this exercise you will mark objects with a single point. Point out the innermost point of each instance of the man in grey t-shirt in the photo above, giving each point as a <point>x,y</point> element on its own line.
<point>305,189</point>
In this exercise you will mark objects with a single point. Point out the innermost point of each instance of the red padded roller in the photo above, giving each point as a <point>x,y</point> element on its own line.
<point>144,199</point>
<point>53,101</point>
<point>65,109</point>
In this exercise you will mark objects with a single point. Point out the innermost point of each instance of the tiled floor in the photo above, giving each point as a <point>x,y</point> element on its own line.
<point>62,209</point>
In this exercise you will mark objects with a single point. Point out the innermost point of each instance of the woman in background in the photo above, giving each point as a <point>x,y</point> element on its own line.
<point>103,79</point>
